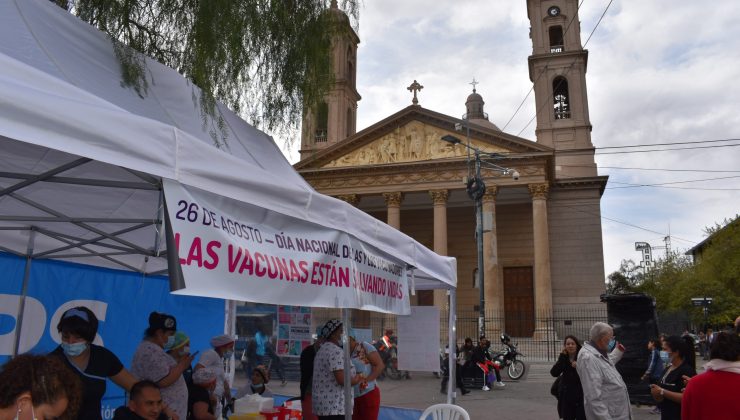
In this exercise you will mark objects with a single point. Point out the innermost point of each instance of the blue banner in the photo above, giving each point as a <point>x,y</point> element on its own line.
<point>121,300</point>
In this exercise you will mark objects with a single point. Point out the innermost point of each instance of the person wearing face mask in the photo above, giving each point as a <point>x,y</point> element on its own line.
<point>181,348</point>
<point>150,362</point>
<point>93,364</point>
<point>257,383</point>
<point>213,359</point>
<point>605,394</point>
<point>669,389</point>
<point>201,400</point>
<point>38,387</point>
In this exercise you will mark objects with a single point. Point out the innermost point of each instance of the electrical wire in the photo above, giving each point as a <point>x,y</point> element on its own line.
<point>531,89</point>
<point>653,169</point>
<point>667,144</point>
<point>625,223</point>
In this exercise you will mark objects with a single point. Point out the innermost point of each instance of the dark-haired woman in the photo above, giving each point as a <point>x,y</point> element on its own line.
<point>93,364</point>
<point>712,395</point>
<point>570,392</point>
<point>669,389</point>
<point>152,363</point>
<point>38,387</point>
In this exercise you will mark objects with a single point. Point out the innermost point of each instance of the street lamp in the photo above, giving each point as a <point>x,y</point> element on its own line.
<point>476,188</point>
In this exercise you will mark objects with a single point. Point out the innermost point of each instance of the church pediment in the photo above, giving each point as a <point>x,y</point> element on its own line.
<point>414,135</point>
<point>413,142</point>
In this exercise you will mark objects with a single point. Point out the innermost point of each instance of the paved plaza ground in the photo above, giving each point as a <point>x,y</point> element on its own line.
<point>528,398</point>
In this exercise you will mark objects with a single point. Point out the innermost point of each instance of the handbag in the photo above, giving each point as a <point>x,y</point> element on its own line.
<point>555,388</point>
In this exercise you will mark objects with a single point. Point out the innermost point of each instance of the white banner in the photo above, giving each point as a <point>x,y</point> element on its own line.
<point>418,339</point>
<point>233,250</point>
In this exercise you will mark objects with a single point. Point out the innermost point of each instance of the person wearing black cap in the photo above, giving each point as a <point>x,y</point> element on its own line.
<point>152,363</point>
<point>328,374</point>
<point>93,364</point>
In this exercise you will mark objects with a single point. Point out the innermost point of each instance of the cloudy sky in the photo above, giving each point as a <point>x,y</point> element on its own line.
<point>662,71</point>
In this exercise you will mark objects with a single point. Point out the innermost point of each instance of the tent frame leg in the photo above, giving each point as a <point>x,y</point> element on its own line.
<point>24,292</point>
<point>452,343</point>
<point>348,402</point>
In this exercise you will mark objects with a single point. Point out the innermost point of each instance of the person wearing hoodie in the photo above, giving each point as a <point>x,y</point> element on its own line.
<point>713,394</point>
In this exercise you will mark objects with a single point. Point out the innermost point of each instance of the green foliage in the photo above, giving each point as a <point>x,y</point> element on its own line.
<point>264,59</point>
<point>625,279</point>
<point>675,280</point>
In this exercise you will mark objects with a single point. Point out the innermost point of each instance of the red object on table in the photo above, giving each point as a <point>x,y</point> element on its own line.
<point>278,413</point>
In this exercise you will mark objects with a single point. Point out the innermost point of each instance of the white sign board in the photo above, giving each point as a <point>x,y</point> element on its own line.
<point>418,339</point>
<point>233,250</point>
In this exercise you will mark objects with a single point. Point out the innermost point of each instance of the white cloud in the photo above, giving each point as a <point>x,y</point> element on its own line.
<point>658,72</point>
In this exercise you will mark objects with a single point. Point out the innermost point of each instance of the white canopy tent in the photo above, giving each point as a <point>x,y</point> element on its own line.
<point>83,159</point>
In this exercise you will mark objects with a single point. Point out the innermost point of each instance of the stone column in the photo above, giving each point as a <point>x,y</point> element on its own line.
<point>393,202</point>
<point>439,200</point>
<point>542,281</point>
<point>353,199</point>
<point>493,282</point>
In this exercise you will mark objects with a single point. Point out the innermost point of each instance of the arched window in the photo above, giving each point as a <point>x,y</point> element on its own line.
<point>561,98</point>
<point>557,45</point>
<point>322,122</point>
<point>350,122</point>
<point>350,67</point>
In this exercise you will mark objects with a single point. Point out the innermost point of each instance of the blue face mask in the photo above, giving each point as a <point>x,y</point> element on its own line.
<point>228,354</point>
<point>74,349</point>
<point>664,356</point>
<point>170,342</point>
<point>612,343</point>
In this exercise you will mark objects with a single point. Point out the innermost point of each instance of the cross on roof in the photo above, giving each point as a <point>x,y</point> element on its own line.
<point>474,82</point>
<point>415,87</point>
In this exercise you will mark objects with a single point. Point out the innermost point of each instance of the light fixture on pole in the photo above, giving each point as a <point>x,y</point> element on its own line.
<point>476,188</point>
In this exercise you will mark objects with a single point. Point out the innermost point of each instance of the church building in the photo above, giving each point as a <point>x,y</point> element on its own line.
<point>542,242</point>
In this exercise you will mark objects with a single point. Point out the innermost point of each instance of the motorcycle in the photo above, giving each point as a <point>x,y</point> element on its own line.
<point>508,357</point>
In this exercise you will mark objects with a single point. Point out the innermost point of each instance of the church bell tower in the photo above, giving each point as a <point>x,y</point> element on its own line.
<point>335,117</point>
<point>557,67</point>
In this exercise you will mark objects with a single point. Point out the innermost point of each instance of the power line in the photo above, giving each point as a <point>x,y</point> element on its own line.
<point>667,144</point>
<point>653,169</point>
<point>629,185</point>
<point>624,223</point>
<point>531,89</point>
<point>666,150</point>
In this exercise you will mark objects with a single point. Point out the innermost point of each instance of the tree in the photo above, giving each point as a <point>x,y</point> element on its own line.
<point>625,279</point>
<point>675,280</point>
<point>263,59</point>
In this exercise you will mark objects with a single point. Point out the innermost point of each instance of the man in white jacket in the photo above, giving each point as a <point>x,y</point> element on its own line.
<point>604,392</point>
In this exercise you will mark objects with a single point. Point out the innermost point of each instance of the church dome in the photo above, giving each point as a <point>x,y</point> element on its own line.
<point>474,111</point>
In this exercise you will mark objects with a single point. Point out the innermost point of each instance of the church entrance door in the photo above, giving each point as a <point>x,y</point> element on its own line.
<point>519,301</point>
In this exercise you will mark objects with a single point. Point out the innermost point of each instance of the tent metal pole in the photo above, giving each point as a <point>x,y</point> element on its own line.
<point>347,369</point>
<point>452,342</point>
<point>24,292</point>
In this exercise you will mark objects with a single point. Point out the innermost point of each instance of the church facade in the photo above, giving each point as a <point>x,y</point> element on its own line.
<point>542,242</point>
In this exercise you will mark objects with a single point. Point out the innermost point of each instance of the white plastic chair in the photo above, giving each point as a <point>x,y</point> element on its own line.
<point>445,412</point>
